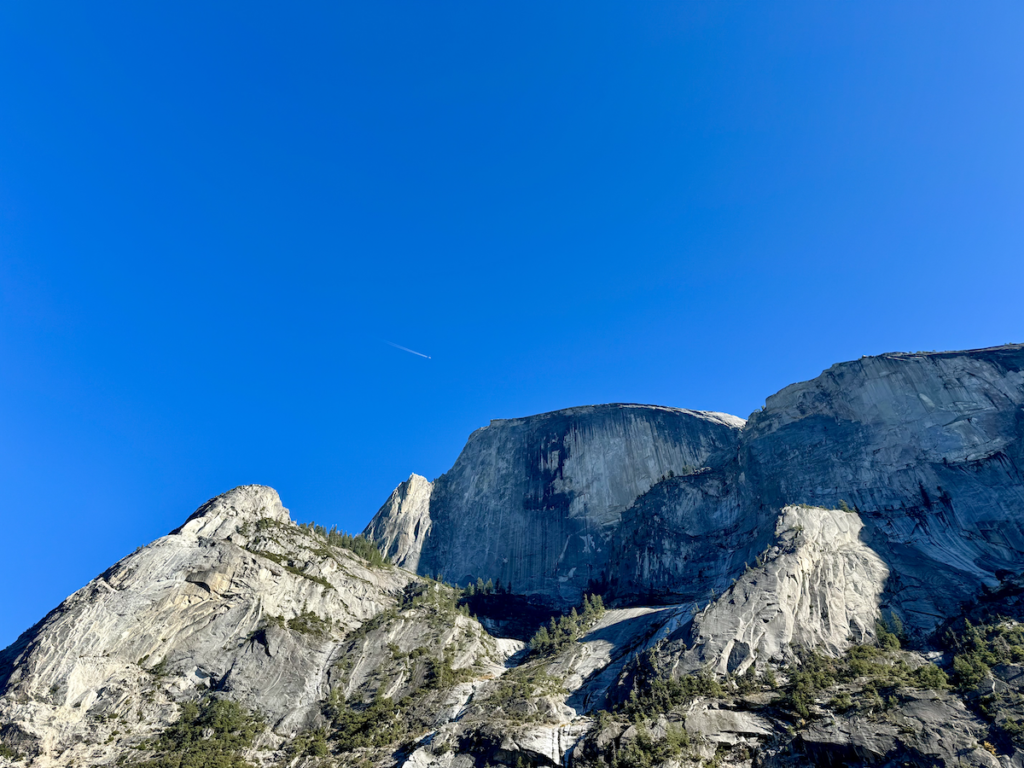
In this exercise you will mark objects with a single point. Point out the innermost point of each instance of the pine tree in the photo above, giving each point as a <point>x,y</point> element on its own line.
<point>541,641</point>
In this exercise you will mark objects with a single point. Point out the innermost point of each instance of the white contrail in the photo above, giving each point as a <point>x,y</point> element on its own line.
<point>406,349</point>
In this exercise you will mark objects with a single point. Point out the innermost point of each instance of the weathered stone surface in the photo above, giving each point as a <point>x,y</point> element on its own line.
<point>194,606</point>
<point>718,541</point>
<point>536,502</point>
<point>593,669</point>
<point>688,537</point>
<point>724,726</point>
<point>930,448</point>
<point>931,729</point>
<point>817,587</point>
<point>399,654</point>
<point>402,524</point>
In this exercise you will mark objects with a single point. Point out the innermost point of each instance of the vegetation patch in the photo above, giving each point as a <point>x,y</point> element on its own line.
<point>519,689</point>
<point>441,675</point>
<point>286,563</point>
<point>567,629</point>
<point>637,746</point>
<point>866,680</point>
<point>644,751</point>
<point>655,695</point>
<point>10,753</point>
<point>375,725</point>
<point>211,735</point>
<point>978,648</point>
<point>488,587</point>
<point>877,670</point>
<point>358,544</point>
<point>442,600</point>
<point>308,623</point>
<point>309,744</point>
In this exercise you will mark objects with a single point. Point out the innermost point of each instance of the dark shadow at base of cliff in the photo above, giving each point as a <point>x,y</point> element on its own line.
<point>514,616</point>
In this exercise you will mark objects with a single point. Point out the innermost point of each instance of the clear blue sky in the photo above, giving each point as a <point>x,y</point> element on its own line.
<point>213,216</point>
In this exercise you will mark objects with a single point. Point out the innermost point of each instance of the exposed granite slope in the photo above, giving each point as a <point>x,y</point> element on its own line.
<point>719,542</point>
<point>208,606</point>
<point>817,586</point>
<point>401,525</point>
<point>656,505</point>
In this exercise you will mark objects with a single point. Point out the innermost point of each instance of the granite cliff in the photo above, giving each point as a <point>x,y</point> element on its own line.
<point>537,503</point>
<point>838,580</point>
<point>659,505</point>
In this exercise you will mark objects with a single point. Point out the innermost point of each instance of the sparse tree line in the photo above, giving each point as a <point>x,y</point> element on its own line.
<point>482,587</point>
<point>357,543</point>
<point>564,630</point>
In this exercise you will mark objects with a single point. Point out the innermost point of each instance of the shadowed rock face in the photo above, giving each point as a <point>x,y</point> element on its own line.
<point>537,502</point>
<point>929,447</point>
<point>688,537</point>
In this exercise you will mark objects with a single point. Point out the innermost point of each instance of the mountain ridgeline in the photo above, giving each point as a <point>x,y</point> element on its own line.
<point>837,580</point>
<point>661,505</point>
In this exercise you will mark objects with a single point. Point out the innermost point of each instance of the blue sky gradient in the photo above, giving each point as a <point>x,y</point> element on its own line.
<point>212,220</point>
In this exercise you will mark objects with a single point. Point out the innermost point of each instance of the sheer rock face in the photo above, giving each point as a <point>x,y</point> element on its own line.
<point>537,502</point>
<point>688,537</point>
<point>928,447</point>
<point>720,541</point>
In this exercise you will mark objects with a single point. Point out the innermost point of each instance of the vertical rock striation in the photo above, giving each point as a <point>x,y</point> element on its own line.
<point>537,502</point>
<point>817,586</point>
<point>662,505</point>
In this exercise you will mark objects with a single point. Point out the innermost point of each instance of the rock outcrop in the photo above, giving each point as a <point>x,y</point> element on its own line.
<point>929,448</point>
<point>761,576</point>
<point>658,505</point>
<point>238,600</point>
<point>537,502</point>
<point>402,524</point>
<point>818,586</point>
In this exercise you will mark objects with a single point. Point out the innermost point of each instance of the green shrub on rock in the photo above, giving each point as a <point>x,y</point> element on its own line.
<point>376,724</point>
<point>210,735</point>
<point>930,677</point>
<point>652,696</point>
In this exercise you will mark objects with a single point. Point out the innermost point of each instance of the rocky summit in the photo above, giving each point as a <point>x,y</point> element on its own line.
<point>837,580</point>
